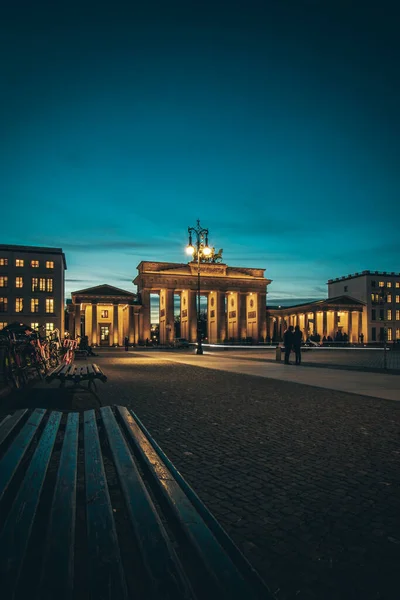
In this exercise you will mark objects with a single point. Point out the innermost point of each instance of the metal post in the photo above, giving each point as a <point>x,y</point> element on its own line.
<point>202,249</point>
<point>199,349</point>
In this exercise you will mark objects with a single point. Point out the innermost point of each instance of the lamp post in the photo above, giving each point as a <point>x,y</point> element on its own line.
<point>382,301</point>
<point>202,250</point>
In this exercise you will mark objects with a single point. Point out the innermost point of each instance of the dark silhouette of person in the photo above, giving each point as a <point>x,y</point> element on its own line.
<point>297,339</point>
<point>362,338</point>
<point>126,342</point>
<point>288,343</point>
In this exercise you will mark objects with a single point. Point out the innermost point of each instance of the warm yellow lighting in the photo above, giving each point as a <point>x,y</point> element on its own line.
<point>190,250</point>
<point>206,251</point>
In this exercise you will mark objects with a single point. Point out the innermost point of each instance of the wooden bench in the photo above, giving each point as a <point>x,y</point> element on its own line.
<point>90,507</point>
<point>76,374</point>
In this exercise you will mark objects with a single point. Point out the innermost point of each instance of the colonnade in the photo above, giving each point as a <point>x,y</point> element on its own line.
<point>105,324</point>
<point>323,322</point>
<point>231,315</point>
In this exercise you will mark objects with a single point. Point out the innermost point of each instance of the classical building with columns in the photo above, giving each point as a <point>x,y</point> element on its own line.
<point>105,314</point>
<point>325,317</point>
<point>236,300</point>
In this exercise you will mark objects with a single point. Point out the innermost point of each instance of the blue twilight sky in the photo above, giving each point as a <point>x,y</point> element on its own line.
<point>275,122</point>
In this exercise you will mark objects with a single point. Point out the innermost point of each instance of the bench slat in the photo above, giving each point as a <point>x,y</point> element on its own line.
<point>18,526</point>
<point>165,572</point>
<point>105,570</point>
<point>99,373</point>
<point>9,424</point>
<point>12,458</point>
<point>58,572</point>
<point>219,570</point>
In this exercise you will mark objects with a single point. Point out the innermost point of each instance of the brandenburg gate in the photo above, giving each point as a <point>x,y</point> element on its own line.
<point>236,299</point>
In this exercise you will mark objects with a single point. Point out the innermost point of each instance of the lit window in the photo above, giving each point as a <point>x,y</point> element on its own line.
<point>3,262</point>
<point>389,334</point>
<point>49,327</point>
<point>19,282</point>
<point>104,314</point>
<point>49,264</point>
<point>35,284</point>
<point>35,326</point>
<point>3,324</point>
<point>19,304</point>
<point>42,284</point>
<point>34,263</point>
<point>3,281</point>
<point>389,315</point>
<point>381,284</point>
<point>50,284</point>
<point>398,284</point>
<point>397,334</point>
<point>389,284</point>
<point>49,305</point>
<point>397,299</point>
<point>3,304</point>
<point>397,315</point>
<point>389,297</point>
<point>19,262</point>
<point>34,305</point>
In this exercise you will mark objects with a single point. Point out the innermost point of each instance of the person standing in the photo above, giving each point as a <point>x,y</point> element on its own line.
<point>288,343</point>
<point>126,340</point>
<point>297,340</point>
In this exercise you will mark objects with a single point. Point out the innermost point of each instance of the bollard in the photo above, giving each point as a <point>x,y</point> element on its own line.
<point>278,355</point>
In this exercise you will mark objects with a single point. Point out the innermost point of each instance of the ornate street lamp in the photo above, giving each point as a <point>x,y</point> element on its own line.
<point>200,250</point>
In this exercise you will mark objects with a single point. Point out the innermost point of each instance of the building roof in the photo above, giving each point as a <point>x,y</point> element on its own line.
<point>104,290</point>
<point>338,301</point>
<point>363,274</point>
<point>35,249</point>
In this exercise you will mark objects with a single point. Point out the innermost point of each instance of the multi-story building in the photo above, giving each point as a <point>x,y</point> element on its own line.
<point>380,291</point>
<point>32,287</point>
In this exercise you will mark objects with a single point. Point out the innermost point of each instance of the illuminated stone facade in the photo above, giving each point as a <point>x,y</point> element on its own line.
<point>105,314</point>
<point>236,300</point>
<point>324,317</point>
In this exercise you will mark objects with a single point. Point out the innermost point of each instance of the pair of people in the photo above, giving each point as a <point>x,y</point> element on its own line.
<point>292,339</point>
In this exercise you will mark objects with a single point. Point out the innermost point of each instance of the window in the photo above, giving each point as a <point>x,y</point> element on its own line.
<point>398,284</point>
<point>49,305</point>
<point>373,283</point>
<point>3,281</point>
<point>389,284</point>
<point>34,263</point>
<point>389,298</point>
<point>3,262</point>
<point>3,324</point>
<point>3,304</point>
<point>49,264</point>
<point>397,334</point>
<point>19,282</point>
<point>49,327</point>
<point>35,284</point>
<point>381,314</point>
<point>397,315</point>
<point>397,298</point>
<point>389,315</point>
<point>42,284</point>
<point>104,314</point>
<point>381,284</point>
<point>346,287</point>
<point>34,305</point>
<point>389,334</point>
<point>373,314</point>
<point>19,304</point>
<point>19,262</point>
<point>50,284</point>
<point>374,298</point>
<point>373,334</point>
<point>35,326</point>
